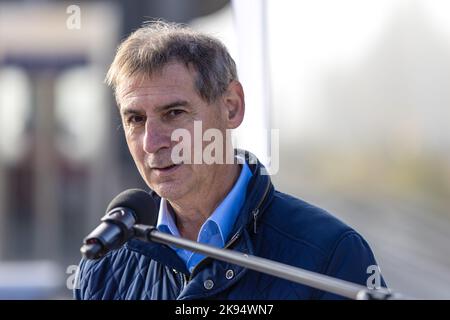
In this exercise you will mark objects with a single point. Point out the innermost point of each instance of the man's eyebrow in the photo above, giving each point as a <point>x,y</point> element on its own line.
<point>127,111</point>
<point>178,103</point>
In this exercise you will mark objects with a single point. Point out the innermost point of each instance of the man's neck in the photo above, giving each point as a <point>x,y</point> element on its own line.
<point>190,214</point>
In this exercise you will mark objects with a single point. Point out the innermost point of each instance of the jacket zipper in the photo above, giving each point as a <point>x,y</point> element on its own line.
<point>255,217</point>
<point>255,211</point>
<point>183,281</point>
<point>233,239</point>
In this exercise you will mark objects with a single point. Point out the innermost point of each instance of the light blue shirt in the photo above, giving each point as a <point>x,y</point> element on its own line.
<point>216,229</point>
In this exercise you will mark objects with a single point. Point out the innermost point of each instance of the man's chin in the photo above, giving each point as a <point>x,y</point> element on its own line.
<point>169,190</point>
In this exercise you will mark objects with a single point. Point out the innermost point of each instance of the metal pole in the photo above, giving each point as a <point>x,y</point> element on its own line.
<point>47,219</point>
<point>3,217</point>
<point>311,279</point>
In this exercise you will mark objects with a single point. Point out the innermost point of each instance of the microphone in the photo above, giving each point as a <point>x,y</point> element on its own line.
<point>133,206</point>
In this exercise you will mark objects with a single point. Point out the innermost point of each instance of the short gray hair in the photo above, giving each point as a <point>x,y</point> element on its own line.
<point>151,47</point>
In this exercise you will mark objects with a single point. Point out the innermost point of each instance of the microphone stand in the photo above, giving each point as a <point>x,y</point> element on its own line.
<point>277,269</point>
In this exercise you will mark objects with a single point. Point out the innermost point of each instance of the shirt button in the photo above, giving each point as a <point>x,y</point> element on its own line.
<point>229,274</point>
<point>208,284</point>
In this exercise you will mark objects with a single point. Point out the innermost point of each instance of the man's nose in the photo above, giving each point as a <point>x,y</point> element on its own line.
<point>156,137</point>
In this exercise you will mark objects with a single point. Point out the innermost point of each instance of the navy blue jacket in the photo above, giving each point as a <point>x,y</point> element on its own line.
<point>270,224</point>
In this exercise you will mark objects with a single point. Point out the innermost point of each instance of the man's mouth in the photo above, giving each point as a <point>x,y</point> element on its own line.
<point>166,169</point>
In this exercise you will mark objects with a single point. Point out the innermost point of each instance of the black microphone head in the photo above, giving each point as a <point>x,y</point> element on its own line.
<point>140,201</point>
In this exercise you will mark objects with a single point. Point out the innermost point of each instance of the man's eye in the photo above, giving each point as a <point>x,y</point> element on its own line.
<point>135,119</point>
<point>174,113</point>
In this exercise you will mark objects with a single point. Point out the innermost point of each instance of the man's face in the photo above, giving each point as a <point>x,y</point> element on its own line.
<point>151,109</point>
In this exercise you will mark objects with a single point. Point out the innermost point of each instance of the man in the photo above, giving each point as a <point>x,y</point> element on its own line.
<point>166,78</point>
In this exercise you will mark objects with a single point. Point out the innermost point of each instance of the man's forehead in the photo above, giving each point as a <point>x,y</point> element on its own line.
<point>172,73</point>
<point>172,84</point>
<point>141,98</point>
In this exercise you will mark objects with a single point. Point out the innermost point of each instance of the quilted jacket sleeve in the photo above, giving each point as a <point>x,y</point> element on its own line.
<point>352,260</point>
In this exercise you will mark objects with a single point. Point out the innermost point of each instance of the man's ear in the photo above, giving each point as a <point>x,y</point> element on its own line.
<point>234,104</point>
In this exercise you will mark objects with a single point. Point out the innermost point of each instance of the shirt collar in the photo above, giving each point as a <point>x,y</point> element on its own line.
<point>166,222</point>
<point>224,216</point>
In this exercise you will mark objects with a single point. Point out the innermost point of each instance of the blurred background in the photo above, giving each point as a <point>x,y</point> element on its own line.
<point>358,91</point>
